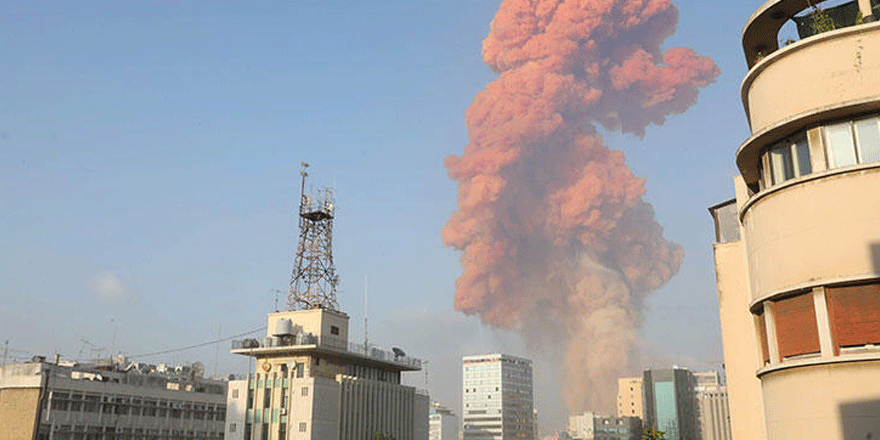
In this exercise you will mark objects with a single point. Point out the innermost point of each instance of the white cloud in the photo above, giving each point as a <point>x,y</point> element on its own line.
<point>110,288</point>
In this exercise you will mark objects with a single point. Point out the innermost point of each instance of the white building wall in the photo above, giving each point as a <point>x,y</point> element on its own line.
<point>236,409</point>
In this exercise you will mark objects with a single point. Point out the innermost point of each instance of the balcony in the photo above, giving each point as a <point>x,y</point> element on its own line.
<point>761,34</point>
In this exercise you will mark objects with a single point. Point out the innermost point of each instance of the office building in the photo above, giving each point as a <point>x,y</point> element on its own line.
<point>669,402</point>
<point>311,383</point>
<point>591,426</point>
<point>713,414</point>
<point>798,250</point>
<point>497,399</point>
<point>629,397</point>
<point>442,423</point>
<point>104,400</point>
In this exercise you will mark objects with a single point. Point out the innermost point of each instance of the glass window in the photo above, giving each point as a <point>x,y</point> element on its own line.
<point>840,146</point>
<point>780,163</point>
<point>868,138</point>
<point>787,160</point>
<point>802,157</point>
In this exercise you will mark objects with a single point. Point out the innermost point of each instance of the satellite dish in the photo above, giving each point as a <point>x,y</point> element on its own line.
<point>398,352</point>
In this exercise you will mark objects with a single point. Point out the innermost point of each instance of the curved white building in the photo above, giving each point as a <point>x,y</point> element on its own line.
<point>798,252</point>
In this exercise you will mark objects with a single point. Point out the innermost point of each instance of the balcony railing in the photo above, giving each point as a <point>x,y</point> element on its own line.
<point>828,19</point>
<point>306,339</point>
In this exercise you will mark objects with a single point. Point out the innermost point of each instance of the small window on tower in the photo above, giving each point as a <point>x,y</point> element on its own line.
<point>334,330</point>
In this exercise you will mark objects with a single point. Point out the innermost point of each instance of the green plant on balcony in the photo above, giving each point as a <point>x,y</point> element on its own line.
<point>821,22</point>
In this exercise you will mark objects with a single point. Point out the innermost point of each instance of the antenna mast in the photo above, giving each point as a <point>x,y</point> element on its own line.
<point>313,281</point>
<point>366,334</point>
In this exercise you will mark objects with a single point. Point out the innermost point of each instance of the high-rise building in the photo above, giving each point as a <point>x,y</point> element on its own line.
<point>629,397</point>
<point>311,383</point>
<point>442,423</point>
<point>798,250</point>
<point>669,402</point>
<point>115,399</point>
<point>712,410</point>
<point>497,399</point>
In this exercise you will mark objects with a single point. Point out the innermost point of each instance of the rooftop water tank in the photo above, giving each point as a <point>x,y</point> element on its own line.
<point>283,327</point>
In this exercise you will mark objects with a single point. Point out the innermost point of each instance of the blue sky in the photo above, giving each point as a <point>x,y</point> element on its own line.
<point>150,151</point>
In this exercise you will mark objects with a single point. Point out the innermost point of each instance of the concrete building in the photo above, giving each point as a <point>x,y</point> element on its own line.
<point>311,383</point>
<point>581,426</point>
<point>109,400</point>
<point>497,398</point>
<point>798,251</point>
<point>442,423</point>
<point>713,414</point>
<point>590,426</point>
<point>629,397</point>
<point>669,403</point>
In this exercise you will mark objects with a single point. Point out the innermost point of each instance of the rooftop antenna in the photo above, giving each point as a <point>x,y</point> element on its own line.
<point>277,292</point>
<point>5,351</point>
<point>366,333</point>
<point>425,365</point>
<point>313,281</point>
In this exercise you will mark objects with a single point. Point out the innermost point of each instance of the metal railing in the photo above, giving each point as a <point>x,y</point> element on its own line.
<point>304,339</point>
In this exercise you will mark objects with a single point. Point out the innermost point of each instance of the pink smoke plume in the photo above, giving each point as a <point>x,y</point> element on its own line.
<point>556,239</point>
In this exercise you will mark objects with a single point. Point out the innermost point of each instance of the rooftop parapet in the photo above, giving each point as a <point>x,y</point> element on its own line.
<point>305,340</point>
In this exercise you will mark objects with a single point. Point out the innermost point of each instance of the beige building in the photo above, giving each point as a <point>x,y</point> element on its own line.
<point>713,414</point>
<point>629,397</point>
<point>120,401</point>
<point>798,251</point>
<point>311,383</point>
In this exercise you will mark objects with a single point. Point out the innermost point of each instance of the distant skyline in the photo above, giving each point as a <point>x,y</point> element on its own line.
<point>149,158</point>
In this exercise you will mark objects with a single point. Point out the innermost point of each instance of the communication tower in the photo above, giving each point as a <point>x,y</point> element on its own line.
<point>313,281</point>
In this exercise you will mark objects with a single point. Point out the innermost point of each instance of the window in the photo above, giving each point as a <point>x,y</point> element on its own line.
<point>853,142</point>
<point>305,391</point>
<point>267,398</point>
<point>302,426</point>
<point>299,369</point>
<point>232,427</point>
<point>235,394</point>
<point>796,330</point>
<point>334,330</point>
<point>789,159</point>
<point>854,312</point>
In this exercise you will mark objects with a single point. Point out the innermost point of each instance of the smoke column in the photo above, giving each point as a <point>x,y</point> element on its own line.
<point>556,240</point>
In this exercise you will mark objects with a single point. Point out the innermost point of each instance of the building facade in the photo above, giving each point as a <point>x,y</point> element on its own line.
<point>497,398</point>
<point>669,403</point>
<point>629,397</point>
<point>591,426</point>
<point>798,251</point>
<point>103,401</point>
<point>442,423</point>
<point>713,413</point>
<point>311,383</point>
